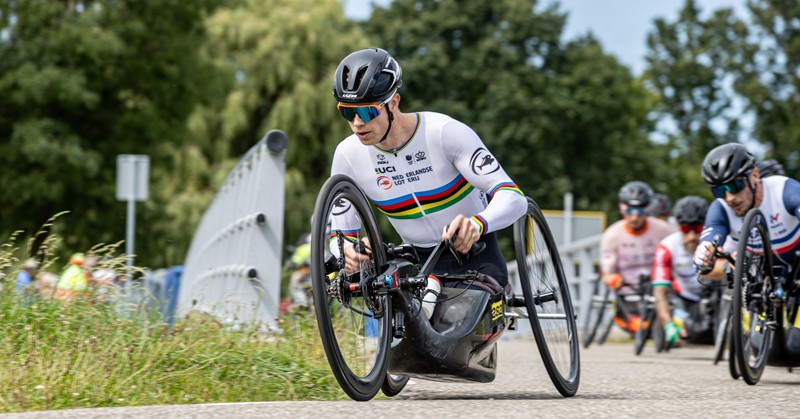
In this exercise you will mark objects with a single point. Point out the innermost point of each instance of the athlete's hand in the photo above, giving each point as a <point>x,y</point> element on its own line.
<point>615,282</point>
<point>672,333</point>
<point>467,233</point>
<point>703,256</point>
<point>353,259</point>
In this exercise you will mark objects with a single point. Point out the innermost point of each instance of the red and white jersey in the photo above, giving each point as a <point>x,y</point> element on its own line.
<point>673,266</point>
<point>630,253</point>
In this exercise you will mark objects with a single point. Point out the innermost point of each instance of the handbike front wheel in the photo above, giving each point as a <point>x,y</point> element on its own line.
<point>595,312</point>
<point>547,299</point>
<point>354,326</point>
<point>644,331</point>
<point>752,285</point>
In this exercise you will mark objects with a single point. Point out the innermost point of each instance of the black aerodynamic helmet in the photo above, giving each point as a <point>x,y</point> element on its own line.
<point>770,168</point>
<point>690,210</point>
<point>726,163</point>
<point>635,194</point>
<point>367,76</point>
<point>660,205</point>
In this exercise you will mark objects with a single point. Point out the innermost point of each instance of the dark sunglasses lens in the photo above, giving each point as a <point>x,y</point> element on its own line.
<point>366,113</point>
<point>735,186</point>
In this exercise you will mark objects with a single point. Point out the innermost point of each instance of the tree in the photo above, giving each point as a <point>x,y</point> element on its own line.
<point>81,82</point>
<point>688,66</point>
<point>282,54</point>
<point>561,117</point>
<point>768,75</point>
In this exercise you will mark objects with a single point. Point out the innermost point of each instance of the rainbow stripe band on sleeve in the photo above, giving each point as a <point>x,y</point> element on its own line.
<point>506,186</point>
<point>482,224</point>
<point>350,235</point>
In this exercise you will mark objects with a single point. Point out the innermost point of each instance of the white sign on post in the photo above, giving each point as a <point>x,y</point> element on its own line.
<point>133,177</point>
<point>133,172</point>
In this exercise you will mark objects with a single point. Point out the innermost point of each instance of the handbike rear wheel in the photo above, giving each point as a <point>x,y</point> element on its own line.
<point>752,286</point>
<point>393,384</point>
<point>354,326</point>
<point>547,299</point>
<point>723,322</point>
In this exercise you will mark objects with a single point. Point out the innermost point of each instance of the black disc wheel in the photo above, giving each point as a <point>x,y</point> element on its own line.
<point>547,299</point>
<point>353,319</point>
<point>598,306</point>
<point>752,285</point>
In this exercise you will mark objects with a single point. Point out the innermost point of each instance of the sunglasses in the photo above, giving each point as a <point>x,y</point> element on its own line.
<point>635,210</point>
<point>735,186</point>
<point>686,228</point>
<point>365,112</point>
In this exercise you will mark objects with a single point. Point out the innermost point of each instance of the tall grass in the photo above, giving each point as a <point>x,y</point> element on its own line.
<point>82,353</point>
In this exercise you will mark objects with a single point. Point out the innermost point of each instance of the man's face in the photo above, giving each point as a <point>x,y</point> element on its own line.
<point>371,132</point>
<point>741,201</point>
<point>635,217</point>
<point>691,236</point>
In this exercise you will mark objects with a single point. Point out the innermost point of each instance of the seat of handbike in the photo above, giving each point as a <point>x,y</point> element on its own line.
<point>458,343</point>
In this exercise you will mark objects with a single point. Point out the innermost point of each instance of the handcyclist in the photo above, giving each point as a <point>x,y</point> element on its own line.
<point>429,173</point>
<point>737,185</point>
<point>627,247</point>
<point>673,270</point>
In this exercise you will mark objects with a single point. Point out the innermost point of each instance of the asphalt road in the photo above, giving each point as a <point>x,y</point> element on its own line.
<point>614,383</point>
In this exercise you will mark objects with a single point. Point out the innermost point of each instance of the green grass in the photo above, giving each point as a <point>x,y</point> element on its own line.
<point>58,355</point>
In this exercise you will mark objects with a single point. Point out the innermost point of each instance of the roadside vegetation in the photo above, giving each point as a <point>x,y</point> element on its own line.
<point>88,353</point>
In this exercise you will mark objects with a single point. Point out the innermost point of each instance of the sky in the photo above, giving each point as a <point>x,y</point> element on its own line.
<point>620,25</point>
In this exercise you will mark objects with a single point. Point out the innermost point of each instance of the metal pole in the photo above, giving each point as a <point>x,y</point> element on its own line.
<point>567,217</point>
<point>129,237</point>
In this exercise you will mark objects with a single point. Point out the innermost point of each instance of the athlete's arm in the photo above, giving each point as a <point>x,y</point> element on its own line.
<point>344,219</point>
<point>791,197</point>
<point>662,282</point>
<point>716,224</point>
<point>480,168</point>
<point>609,269</point>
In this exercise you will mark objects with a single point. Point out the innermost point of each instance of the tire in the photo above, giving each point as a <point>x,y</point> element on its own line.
<point>721,335</point>
<point>646,324</point>
<point>354,328</point>
<point>393,384</point>
<point>596,312</point>
<point>733,369</point>
<point>607,326</point>
<point>547,300</point>
<point>752,336</point>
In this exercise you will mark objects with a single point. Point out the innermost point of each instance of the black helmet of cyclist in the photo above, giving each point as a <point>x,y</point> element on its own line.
<point>660,205</point>
<point>770,168</point>
<point>690,210</point>
<point>726,163</point>
<point>367,76</point>
<point>635,194</point>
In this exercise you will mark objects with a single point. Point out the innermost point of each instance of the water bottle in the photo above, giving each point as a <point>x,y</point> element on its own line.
<point>429,296</point>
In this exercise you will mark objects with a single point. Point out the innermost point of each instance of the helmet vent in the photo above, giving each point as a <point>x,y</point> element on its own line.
<point>359,77</point>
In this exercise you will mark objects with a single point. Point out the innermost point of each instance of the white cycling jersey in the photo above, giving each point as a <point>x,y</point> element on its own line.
<point>443,170</point>
<point>673,266</point>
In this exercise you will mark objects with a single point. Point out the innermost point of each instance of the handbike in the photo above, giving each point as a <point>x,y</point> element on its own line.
<point>371,321</point>
<point>762,302</point>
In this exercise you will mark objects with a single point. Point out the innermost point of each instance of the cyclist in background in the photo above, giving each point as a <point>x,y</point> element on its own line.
<point>429,173</point>
<point>768,168</point>
<point>737,185</point>
<point>673,270</point>
<point>660,206</point>
<point>628,245</point>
